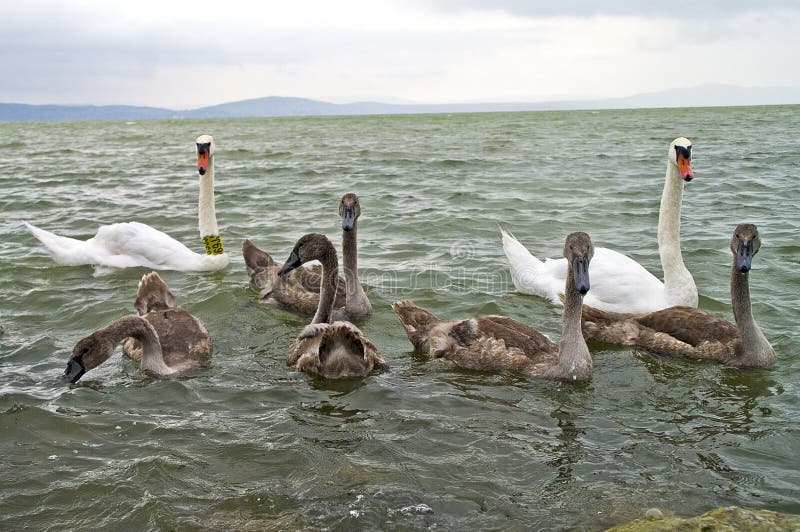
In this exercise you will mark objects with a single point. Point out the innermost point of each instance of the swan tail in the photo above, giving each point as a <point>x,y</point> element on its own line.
<point>515,251</point>
<point>255,258</point>
<point>417,322</point>
<point>153,294</point>
<point>343,352</point>
<point>527,271</point>
<point>340,341</point>
<point>260,267</point>
<point>64,250</point>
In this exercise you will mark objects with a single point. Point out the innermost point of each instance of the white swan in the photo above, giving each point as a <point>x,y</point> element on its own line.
<point>619,283</point>
<point>130,244</point>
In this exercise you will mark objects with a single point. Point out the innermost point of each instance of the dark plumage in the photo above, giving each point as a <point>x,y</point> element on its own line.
<point>164,339</point>
<point>298,291</point>
<point>694,333</point>
<point>331,349</point>
<point>499,343</point>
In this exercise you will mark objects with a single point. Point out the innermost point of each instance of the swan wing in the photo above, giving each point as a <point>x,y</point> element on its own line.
<point>690,325</point>
<point>620,284</point>
<point>517,335</point>
<point>131,244</point>
<point>487,353</point>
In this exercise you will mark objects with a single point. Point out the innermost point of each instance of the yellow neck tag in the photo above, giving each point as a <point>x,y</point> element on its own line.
<point>213,245</point>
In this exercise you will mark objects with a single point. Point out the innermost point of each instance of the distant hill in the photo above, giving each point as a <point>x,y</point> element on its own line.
<point>18,112</point>
<point>701,96</point>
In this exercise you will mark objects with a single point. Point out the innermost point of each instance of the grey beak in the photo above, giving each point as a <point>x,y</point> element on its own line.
<point>348,218</point>
<point>744,256</point>
<point>291,263</point>
<point>74,371</point>
<point>580,274</point>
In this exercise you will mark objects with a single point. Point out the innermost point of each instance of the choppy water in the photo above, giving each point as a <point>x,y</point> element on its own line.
<point>248,444</point>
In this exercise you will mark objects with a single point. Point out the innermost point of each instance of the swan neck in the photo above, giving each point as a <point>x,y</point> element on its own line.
<point>207,214</point>
<point>330,274</point>
<point>755,349</point>
<point>677,279</point>
<point>138,328</point>
<point>574,360</point>
<point>356,301</point>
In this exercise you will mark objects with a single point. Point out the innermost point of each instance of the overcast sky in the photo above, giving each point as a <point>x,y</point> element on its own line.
<point>184,54</point>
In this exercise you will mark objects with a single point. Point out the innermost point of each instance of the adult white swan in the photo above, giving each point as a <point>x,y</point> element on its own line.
<point>129,244</point>
<point>619,283</point>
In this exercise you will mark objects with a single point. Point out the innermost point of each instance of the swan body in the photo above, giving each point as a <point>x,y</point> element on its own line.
<point>498,343</point>
<point>690,332</point>
<point>330,349</point>
<point>132,244</point>
<point>163,338</point>
<point>619,283</point>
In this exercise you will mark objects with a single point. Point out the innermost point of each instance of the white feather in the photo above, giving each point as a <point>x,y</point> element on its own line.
<point>618,283</point>
<point>131,244</point>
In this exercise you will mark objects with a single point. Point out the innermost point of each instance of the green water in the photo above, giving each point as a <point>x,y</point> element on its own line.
<point>248,443</point>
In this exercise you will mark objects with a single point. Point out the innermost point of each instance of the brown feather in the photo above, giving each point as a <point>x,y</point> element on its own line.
<point>153,294</point>
<point>184,340</point>
<point>298,291</point>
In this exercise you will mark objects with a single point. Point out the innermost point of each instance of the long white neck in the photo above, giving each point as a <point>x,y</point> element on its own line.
<point>207,214</point>
<point>678,282</point>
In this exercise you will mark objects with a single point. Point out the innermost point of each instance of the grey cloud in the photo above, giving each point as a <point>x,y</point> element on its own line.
<point>586,8</point>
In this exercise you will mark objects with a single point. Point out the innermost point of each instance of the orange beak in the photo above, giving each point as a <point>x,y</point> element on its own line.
<point>685,167</point>
<point>202,162</point>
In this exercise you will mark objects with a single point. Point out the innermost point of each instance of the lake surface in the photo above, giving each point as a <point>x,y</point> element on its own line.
<point>249,444</point>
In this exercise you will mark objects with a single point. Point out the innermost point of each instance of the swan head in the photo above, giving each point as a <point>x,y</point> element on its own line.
<point>205,151</point>
<point>680,155</point>
<point>744,245</point>
<point>312,246</point>
<point>349,210</point>
<point>87,354</point>
<point>578,250</point>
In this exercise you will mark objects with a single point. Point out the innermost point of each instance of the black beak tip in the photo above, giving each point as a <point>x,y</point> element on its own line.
<point>688,178</point>
<point>289,266</point>
<point>744,268</point>
<point>64,379</point>
<point>201,171</point>
<point>73,373</point>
